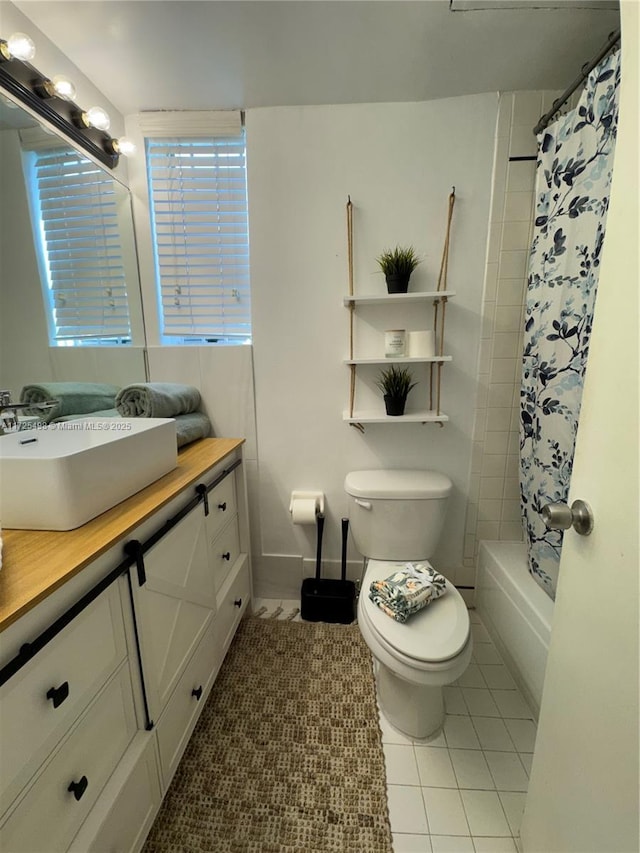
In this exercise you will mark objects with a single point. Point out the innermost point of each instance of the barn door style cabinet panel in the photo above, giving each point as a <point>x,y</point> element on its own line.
<point>94,722</point>
<point>184,628</point>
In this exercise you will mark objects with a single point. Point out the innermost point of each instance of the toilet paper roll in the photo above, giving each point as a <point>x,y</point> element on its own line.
<point>303,511</point>
<point>422,344</point>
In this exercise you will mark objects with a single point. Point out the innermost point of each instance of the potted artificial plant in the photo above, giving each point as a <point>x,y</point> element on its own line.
<point>397,265</point>
<point>395,383</point>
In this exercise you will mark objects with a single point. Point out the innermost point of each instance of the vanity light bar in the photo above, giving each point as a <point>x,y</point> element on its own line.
<point>52,99</point>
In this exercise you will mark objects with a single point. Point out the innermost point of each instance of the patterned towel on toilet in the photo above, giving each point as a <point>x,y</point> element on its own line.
<point>408,590</point>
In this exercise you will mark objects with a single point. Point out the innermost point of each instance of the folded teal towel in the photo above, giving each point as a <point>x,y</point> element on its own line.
<point>105,413</point>
<point>74,398</point>
<point>408,590</point>
<point>191,427</point>
<point>157,400</point>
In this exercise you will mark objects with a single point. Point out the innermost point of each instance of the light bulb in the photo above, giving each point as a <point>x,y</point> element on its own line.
<point>57,87</point>
<point>124,146</point>
<point>96,117</point>
<point>21,47</point>
<point>63,87</point>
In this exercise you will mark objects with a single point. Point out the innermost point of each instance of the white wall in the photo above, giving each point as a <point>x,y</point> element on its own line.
<point>398,163</point>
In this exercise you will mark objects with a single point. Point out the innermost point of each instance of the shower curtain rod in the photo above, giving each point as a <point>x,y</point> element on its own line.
<point>613,39</point>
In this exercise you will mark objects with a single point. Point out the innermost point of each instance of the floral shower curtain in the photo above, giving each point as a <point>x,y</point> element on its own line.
<point>574,169</point>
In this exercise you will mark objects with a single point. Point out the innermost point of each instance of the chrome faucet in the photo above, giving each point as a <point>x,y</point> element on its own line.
<point>10,412</point>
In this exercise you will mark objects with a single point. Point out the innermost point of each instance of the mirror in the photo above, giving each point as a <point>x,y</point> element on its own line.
<point>26,355</point>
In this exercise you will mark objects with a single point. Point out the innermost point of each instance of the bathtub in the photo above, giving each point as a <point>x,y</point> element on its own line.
<point>516,613</point>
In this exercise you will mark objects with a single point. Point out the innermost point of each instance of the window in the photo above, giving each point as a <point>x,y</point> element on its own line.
<point>74,212</point>
<point>198,200</point>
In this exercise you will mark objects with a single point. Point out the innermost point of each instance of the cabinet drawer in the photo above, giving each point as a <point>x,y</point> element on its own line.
<point>222,505</point>
<point>224,553</point>
<point>49,815</point>
<point>184,706</point>
<point>43,699</point>
<point>232,604</point>
<point>121,819</point>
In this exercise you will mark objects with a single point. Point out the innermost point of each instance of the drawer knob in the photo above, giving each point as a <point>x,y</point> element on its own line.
<point>238,602</point>
<point>223,506</point>
<point>197,692</point>
<point>226,555</point>
<point>58,694</point>
<point>78,788</point>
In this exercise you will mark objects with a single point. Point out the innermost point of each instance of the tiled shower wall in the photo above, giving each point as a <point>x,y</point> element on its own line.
<point>493,510</point>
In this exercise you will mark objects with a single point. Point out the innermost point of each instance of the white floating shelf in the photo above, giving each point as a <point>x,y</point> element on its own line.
<point>375,416</point>
<point>397,298</point>
<point>404,360</point>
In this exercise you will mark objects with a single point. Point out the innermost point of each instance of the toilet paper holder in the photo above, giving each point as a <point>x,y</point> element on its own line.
<point>298,495</point>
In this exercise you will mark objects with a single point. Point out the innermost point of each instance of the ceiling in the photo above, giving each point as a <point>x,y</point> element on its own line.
<point>220,54</point>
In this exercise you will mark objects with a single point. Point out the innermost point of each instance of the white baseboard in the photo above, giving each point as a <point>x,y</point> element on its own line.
<point>281,575</point>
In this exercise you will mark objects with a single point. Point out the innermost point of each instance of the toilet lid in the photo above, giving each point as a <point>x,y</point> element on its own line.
<point>436,633</point>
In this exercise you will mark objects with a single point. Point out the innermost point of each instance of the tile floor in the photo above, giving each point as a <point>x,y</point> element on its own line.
<point>464,791</point>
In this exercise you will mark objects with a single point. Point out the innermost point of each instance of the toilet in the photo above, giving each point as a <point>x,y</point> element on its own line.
<point>396,516</point>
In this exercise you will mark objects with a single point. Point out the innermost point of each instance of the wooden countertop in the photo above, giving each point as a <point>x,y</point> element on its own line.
<point>37,562</point>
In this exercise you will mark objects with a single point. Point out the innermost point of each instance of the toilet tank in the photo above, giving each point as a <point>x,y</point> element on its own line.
<point>397,514</point>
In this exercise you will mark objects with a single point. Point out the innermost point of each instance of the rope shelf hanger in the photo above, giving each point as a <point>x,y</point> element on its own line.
<point>438,316</point>
<point>352,367</point>
<point>442,285</point>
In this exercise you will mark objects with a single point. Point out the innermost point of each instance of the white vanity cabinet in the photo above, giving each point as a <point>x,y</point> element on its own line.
<point>93,725</point>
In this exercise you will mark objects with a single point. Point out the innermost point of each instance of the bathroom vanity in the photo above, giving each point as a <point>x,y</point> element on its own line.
<point>112,637</point>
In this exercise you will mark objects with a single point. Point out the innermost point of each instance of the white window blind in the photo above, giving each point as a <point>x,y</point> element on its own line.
<point>75,215</point>
<point>198,192</point>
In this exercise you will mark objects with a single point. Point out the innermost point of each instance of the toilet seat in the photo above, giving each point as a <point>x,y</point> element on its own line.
<point>437,634</point>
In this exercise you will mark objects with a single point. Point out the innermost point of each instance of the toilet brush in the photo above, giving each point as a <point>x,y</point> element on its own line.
<point>326,599</point>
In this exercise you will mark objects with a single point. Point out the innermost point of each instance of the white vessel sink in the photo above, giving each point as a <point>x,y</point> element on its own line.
<point>60,476</point>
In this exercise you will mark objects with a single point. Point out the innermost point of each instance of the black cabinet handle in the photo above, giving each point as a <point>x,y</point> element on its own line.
<point>201,489</point>
<point>78,788</point>
<point>226,555</point>
<point>197,692</point>
<point>223,506</point>
<point>238,602</point>
<point>58,694</point>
